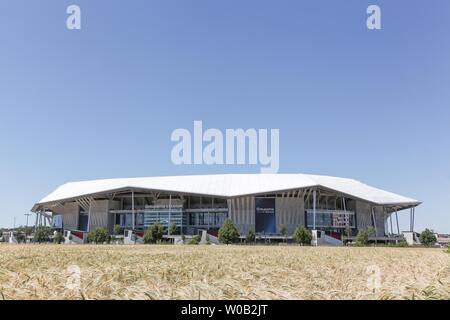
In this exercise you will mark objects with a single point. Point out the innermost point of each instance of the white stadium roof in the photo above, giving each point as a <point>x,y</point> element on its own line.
<point>227,186</point>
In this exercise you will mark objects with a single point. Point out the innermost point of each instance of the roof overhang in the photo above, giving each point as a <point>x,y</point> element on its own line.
<point>225,186</point>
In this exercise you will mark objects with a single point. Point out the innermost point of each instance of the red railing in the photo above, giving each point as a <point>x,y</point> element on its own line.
<point>78,234</point>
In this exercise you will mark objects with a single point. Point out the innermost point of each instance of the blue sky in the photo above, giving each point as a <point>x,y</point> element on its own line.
<point>102,102</point>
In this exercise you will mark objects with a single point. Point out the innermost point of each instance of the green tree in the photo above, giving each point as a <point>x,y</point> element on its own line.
<point>284,232</point>
<point>427,238</point>
<point>99,235</point>
<point>42,234</point>
<point>250,238</point>
<point>302,236</point>
<point>21,237</point>
<point>173,229</point>
<point>25,230</point>
<point>228,233</point>
<point>58,238</point>
<point>154,234</point>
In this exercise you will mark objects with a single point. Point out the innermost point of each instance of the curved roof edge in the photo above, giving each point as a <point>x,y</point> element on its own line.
<point>227,186</point>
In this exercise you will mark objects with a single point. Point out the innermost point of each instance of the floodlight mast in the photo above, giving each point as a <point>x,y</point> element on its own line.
<point>27,215</point>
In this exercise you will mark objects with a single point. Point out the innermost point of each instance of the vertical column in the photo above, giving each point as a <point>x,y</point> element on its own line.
<point>89,216</point>
<point>398,225</point>
<point>374,221</point>
<point>133,222</point>
<point>410,220</point>
<point>392,228</point>
<point>36,222</point>
<point>170,212</point>
<point>314,209</point>
<point>347,217</point>
<point>182,217</point>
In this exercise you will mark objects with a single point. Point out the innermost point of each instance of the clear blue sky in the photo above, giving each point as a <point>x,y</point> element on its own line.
<point>102,102</point>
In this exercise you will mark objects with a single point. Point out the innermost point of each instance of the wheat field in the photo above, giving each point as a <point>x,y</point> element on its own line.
<point>221,272</point>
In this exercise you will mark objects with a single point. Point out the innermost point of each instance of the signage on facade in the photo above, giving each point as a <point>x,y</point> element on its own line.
<point>265,220</point>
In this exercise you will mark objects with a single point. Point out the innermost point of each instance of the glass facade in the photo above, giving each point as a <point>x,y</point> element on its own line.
<point>331,219</point>
<point>164,216</point>
<point>212,218</point>
<point>189,213</point>
<point>193,213</point>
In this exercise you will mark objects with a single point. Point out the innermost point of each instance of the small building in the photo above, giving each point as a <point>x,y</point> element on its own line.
<point>262,203</point>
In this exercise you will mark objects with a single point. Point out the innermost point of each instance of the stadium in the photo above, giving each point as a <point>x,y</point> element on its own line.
<point>331,207</point>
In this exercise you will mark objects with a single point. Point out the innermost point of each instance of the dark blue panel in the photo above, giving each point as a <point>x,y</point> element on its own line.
<point>265,221</point>
<point>83,222</point>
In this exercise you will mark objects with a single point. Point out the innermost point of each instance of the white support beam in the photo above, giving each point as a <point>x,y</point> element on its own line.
<point>40,219</point>
<point>307,197</point>
<point>36,222</point>
<point>398,225</point>
<point>392,228</point>
<point>410,220</point>
<point>133,222</point>
<point>374,221</point>
<point>170,212</point>
<point>83,203</point>
<point>314,208</point>
<point>89,218</point>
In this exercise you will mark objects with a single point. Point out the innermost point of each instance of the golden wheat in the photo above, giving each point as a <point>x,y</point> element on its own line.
<point>221,272</point>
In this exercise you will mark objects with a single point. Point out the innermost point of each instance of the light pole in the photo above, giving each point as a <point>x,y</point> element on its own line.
<point>27,215</point>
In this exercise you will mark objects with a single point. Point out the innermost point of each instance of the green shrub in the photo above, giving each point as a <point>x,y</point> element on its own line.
<point>42,234</point>
<point>402,244</point>
<point>250,238</point>
<point>154,234</point>
<point>362,239</point>
<point>228,233</point>
<point>173,229</point>
<point>117,229</point>
<point>58,238</point>
<point>283,231</point>
<point>99,235</point>
<point>302,236</point>
<point>195,240</point>
<point>427,238</point>
<point>148,236</point>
